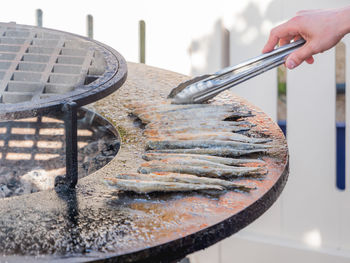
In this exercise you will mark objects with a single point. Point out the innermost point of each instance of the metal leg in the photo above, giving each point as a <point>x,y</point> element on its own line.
<point>70,120</point>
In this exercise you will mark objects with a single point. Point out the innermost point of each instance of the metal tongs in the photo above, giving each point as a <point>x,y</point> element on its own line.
<point>203,88</point>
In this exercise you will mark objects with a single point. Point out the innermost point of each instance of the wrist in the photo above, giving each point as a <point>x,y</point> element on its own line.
<point>343,17</point>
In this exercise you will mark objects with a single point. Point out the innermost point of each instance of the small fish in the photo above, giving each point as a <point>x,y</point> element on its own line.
<point>180,109</point>
<point>187,144</point>
<point>150,106</point>
<point>215,159</point>
<point>219,151</point>
<point>144,104</point>
<point>147,118</point>
<point>197,123</point>
<point>219,136</point>
<point>188,129</point>
<point>183,178</point>
<point>166,108</point>
<point>232,172</point>
<point>191,162</point>
<point>143,186</point>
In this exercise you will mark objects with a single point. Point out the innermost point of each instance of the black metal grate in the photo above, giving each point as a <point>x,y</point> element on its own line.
<point>45,71</point>
<point>36,64</point>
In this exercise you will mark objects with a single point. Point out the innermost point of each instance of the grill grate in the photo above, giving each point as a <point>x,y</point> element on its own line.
<point>36,65</point>
<point>44,71</point>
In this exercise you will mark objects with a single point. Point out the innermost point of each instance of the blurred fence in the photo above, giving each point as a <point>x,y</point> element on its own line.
<point>310,221</point>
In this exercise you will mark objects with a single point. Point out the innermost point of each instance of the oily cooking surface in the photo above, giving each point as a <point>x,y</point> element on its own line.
<point>97,219</point>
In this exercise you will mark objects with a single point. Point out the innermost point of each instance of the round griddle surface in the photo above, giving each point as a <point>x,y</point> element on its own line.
<point>96,223</point>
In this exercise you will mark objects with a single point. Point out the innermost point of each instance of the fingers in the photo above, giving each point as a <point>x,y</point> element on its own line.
<point>286,40</point>
<point>310,60</point>
<point>271,43</point>
<point>284,32</point>
<point>300,55</point>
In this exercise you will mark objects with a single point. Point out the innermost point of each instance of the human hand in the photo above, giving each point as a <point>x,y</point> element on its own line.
<point>322,29</point>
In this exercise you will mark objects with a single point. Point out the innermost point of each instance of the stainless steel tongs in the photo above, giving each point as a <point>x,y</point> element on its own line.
<point>203,88</point>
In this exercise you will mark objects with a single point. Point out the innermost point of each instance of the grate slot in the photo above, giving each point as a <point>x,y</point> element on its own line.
<point>45,42</point>
<point>57,88</point>
<point>63,79</point>
<point>73,52</point>
<point>46,35</point>
<point>70,60</point>
<point>5,65</point>
<point>39,50</point>
<point>36,67</point>
<point>9,48</point>
<point>15,41</point>
<point>65,69</point>
<point>35,58</point>
<point>17,33</point>
<point>16,97</point>
<point>2,74</point>
<point>76,44</point>
<point>7,56</point>
<point>17,86</point>
<point>25,76</point>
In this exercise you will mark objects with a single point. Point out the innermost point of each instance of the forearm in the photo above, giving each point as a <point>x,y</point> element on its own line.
<point>343,16</point>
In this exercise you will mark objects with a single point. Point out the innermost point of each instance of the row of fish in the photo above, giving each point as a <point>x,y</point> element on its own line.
<point>194,147</point>
<point>170,182</point>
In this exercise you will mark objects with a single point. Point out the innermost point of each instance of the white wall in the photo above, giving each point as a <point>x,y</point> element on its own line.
<point>310,221</point>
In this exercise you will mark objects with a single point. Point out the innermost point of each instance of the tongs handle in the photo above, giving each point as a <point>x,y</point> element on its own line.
<point>283,50</point>
<point>226,78</point>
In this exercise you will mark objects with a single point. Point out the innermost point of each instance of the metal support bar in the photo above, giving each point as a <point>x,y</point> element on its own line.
<point>71,131</point>
<point>90,26</point>
<point>39,17</point>
<point>142,41</point>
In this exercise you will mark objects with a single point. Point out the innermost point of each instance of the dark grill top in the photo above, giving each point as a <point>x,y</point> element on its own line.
<point>95,223</point>
<point>40,69</point>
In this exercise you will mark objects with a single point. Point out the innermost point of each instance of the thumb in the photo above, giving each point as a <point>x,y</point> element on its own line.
<point>300,55</point>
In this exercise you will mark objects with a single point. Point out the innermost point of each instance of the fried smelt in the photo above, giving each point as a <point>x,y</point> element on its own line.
<point>170,108</point>
<point>183,178</point>
<point>218,136</point>
<point>210,158</point>
<point>198,123</point>
<point>222,151</point>
<point>205,171</point>
<point>189,144</point>
<point>191,162</point>
<point>143,186</point>
<point>147,118</point>
<point>189,129</point>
